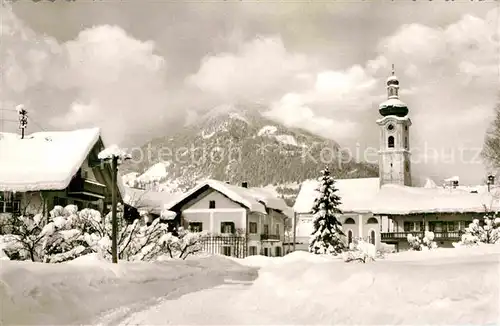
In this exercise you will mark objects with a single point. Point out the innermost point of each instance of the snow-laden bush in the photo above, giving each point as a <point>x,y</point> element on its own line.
<point>360,250</point>
<point>70,234</point>
<point>475,233</point>
<point>23,240</point>
<point>426,243</point>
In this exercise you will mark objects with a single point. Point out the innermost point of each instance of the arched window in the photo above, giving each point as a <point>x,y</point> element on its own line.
<point>349,237</point>
<point>349,221</point>
<point>372,237</point>
<point>390,142</point>
<point>372,220</point>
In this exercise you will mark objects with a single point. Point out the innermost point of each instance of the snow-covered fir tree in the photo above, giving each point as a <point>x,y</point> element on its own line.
<point>327,237</point>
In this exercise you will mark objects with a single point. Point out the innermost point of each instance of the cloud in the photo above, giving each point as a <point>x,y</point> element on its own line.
<point>257,69</point>
<point>118,79</point>
<point>102,77</point>
<point>293,112</point>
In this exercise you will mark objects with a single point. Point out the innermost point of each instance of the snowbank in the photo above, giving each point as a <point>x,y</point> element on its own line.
<point>463,289</point>
<point>297,256</point>
<point>79,291</point>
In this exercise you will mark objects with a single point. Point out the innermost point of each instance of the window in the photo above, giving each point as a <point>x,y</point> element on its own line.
<point>413,226</point>
<point>448,226</point>
<point>349,237</point>
<point>349,221</point>
<point>406,128</point>
<point>226,251</point>
<point>406,142</point>
<point>227,227</point>
<point>211,204</point>
<point>84,173</point>
<point>277,229</point>
<point>407,166</point>
<point>372,220</point>
<point>8,203</point>
<point>266,229</point>
<point>252,250</point>
<point>195,226</point>
<point>390,142</point>
<point>93,206</point>
<point>390,127</point>
<point>252,227</point>
<point>277,251</point>
<point>58,201</point>
<point>78,204</point>
<point>372,237</point>
<point>463,224</point>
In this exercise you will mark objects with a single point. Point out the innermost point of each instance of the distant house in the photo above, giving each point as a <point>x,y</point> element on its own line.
<point>356,204</point>
<point>444,211</point>
<point>46,169</point>
<point>252,217</point>
<point>148,202</point>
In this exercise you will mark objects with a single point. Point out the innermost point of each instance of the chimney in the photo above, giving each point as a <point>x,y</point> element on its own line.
<point>244,184</point>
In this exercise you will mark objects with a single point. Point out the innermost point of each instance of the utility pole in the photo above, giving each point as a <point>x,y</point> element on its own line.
<point>114,232</point>
<point>294,228</point>
<point>23,119</point>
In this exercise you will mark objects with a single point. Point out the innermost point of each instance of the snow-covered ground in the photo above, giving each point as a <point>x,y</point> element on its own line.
<point>445,286</point>
<point>78,292</point>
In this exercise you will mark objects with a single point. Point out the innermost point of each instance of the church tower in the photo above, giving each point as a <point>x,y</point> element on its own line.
<point>394,154</point>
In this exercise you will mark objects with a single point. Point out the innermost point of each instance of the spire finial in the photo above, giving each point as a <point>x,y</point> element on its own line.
<point>393,69</point>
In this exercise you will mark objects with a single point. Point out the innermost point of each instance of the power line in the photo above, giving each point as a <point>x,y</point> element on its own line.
<point>36,124</point>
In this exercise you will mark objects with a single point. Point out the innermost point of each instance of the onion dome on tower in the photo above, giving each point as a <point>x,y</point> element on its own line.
<point>393,105</point>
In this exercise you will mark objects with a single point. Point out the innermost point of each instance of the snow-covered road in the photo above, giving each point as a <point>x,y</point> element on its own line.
<point>216,306</point>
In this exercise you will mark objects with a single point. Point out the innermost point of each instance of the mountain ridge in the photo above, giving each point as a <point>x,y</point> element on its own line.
<point>237,145</point>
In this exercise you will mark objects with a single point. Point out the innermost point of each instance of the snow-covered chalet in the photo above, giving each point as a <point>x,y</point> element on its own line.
<point>386,209</point>
<point>223,209</point>
<point>46,169</point>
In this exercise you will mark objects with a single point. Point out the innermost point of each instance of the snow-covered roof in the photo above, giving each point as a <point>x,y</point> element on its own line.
<point>156,172</point>
<point>452,179</point>
<point>255,199</point>
<point>43,160</point>
<point>402,200</point>
<point>392,77</point>
<point>152,201</point>
<point>355,194</point>
<point>392,102</point>
<point>270,200</point>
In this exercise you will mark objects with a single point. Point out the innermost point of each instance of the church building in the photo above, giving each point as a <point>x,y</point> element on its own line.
<point>386,209</point>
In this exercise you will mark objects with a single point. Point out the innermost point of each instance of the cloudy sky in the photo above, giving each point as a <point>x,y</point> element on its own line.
<point>137,68</point>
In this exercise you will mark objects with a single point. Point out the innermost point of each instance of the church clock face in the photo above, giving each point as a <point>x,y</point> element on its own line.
<point>390,127</point>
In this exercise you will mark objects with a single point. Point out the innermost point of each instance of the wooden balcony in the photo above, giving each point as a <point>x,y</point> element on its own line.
<point>438,236</point>
<point>83,187</point>
<point>273,237</point>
